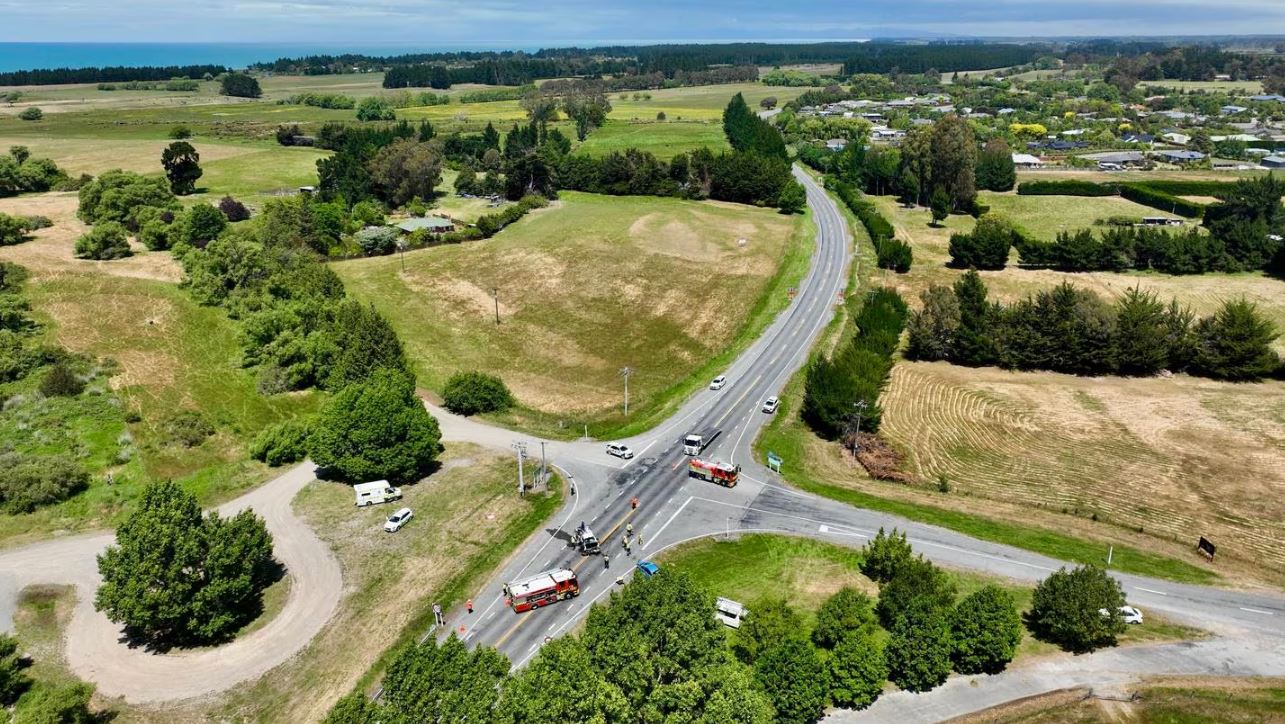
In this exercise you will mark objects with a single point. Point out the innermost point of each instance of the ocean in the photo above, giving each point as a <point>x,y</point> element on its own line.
<point>28,56</point>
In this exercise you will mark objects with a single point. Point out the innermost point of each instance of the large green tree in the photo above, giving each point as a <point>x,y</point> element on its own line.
<point>1235,343</point>
<point>995,170</point>
<point>933,327</point>
<point>182,167</point>
<point>561,684</point>
<point>359,341</point>
<point>986,630</point>
<point>954,156</point>
<point>884,555</point>
<point>795,679</point>
<point>1142,333</point>
<point>919,650</point>
<point>1067,609</point>
<point>770,621</point>
<point>406,169</point>
<point>376,429</point>
<point>176,576</point>
<point>846,612</point>
<point>858,669</point>
<point>916,584</point>
<point>447,682</point>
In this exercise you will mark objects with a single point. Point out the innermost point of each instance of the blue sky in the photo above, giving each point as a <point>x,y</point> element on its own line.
<point>556,22</point>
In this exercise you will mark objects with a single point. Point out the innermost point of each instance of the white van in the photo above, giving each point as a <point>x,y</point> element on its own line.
<point>380,491</point>
<point>729,612</point>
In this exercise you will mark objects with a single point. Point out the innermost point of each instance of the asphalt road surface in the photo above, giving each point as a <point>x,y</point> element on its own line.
<point>674,508</point>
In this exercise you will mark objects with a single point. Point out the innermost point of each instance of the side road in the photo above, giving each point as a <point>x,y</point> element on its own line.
<point>95,650</point>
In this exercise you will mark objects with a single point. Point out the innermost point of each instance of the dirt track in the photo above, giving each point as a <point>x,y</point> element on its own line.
<point>94,649</point>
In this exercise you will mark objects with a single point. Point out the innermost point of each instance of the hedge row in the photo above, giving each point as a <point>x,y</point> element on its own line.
<point>1065,188</point>
<point>891,253</point>
<point>1181,187</point>
<point>1147,195</point>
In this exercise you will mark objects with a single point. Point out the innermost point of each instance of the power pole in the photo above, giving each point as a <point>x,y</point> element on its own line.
<point>857,408</point>
<point>625,372</point>
<point>521,448</point>
<point>544,463</point>
<point>495,294</point>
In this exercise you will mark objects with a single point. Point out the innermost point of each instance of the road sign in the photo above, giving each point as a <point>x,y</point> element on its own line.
<point>774,461</point>
<point>1206,548</point>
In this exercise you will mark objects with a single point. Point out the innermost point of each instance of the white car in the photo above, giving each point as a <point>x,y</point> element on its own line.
<point>397,520</point>
<point>770,404</point>
<point>718,382</point>
<point>1128,614</point>
<point>619,450</point>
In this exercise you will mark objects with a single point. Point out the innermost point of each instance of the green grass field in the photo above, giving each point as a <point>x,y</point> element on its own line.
<point>662,139</point>
<point>1160,700</point>
<point>1242,87</point>
<point>806,572</point>
<point>586,287</point>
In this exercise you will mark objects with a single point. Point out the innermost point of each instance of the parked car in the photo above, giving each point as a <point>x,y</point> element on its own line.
<point>770,404</point>
<point>718,382</point>
<point>1128,614</point>
<point>647,568</point>
<point>397,520</point>
<point>619,450</point>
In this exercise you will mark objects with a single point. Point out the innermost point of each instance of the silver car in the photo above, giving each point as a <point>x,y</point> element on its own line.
<point>619,450</point>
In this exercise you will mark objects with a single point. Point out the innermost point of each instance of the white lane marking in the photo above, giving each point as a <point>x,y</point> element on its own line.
<point>1149,590</point>
<point>1255,610</point>
<point>827,529</point>
<point>655,536</point>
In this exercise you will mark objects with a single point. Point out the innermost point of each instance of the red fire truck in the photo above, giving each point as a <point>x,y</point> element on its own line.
<point>541,589</point>
<point>724,474</point>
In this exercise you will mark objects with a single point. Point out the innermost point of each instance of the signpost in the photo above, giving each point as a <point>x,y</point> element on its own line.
<point>1205,548</point>
<point>774,461</point>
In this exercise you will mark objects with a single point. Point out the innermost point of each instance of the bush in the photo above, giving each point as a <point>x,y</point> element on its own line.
<point>56,704</point>
<point>239,85</point>
<point>13,680</point>
<point>234,210</point>
<point>188,428</point>
<point>1066,609</point>
<point>13,230</point>
<point>377,240</point>
<point>31,114</point>
<point>471,393</point>
<point>986,630</point>
<point>374,108</point>
<point>285,442</point>
<point>104,241</point>
<point>121,195</point>
<point>894,254</point>
<point>180,132</point>
<point>36,222</point>
<point>61,381</point>
<point>28,482</point>
<point>1235,343</point>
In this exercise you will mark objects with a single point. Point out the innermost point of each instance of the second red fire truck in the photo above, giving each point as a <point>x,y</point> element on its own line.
<point>542,589</point>
<point>724,474</point>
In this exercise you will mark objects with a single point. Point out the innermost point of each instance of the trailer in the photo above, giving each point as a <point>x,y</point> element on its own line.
<point>541,590</point>
<point>713,471</point>
<point>380,491</point>
<point>585,541</point>
<point>696,442</point>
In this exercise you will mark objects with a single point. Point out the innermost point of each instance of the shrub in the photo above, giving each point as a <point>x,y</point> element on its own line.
<point>374,108</point>
<point>36,222</point>
<point>285,442</point>
<point>200,225</point>
<point>61,703</point>
<point>31,114</point>
<point>377,240</point>
<point>471,393</point>
<point>239,85</point>
<point>987,247</point>
<point>188,428</point>
<point>1066,609</point>
<point>103,241</point>
<point>13,680</point>
<point>28,482</point>
<point>985,629</point>
<point>13,230</point>
<point>845,613</point>
<point>61,381</point>
<point>894,254</point>
<point>234,210</point>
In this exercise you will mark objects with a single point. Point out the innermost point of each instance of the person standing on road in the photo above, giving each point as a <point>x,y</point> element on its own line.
<point>629,529</point>
<point>633,502</point>
<point>437,614</point>
<point>469,605</point>
<point>625,542</point>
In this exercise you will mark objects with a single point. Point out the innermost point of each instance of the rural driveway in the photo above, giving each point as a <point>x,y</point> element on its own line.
<point>94,648</point>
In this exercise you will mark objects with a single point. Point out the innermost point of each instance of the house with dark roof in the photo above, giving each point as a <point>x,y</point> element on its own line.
<point>1180,157</point>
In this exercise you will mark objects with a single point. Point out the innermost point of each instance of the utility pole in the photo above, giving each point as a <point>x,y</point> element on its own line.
<point>625,372</point>
<point>857,408</point>
<point>401,248</point>
<point>544,463</point>
<point>521,448</point>
<point>495,294</point>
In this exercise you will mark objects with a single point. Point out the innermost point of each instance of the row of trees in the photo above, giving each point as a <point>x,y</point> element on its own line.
<point>890,252</point>
<point>747,178</point>
<point>748,133</point>
<point>841,392</point>
<point>1072,330</point>
<point>109,74</point>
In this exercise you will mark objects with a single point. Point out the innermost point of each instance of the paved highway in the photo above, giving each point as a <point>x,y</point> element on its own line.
<point>674,508</point>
